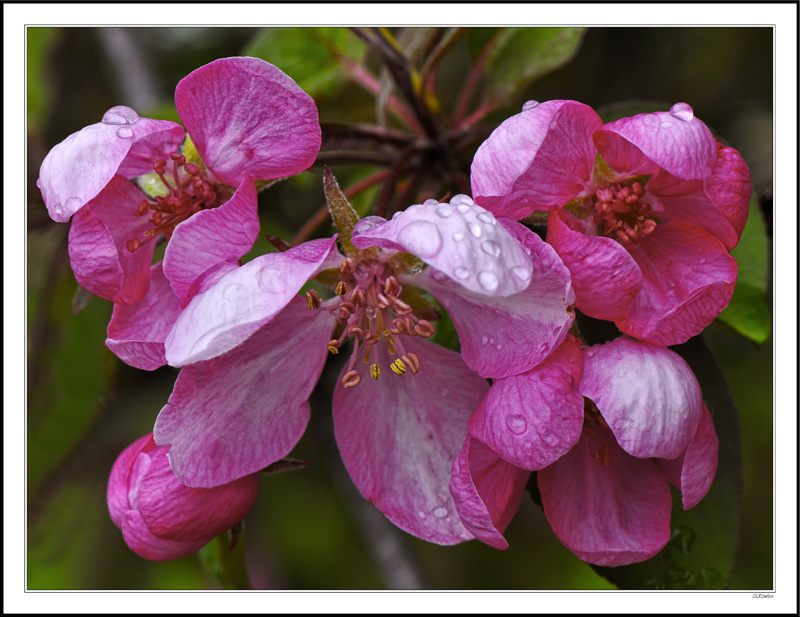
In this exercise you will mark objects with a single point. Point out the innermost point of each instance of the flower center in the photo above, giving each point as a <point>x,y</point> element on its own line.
<point>368,308</point>
<point>621,214</point>
<point>187,192</point>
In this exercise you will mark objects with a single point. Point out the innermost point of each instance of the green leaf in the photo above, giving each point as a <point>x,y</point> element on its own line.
<point>752,252</point>
<point>748,313</point>
<point>39,45</point>
<point>701,551</point>
<point>223,559</point>
<point>522,55</point>
<point>344,217</point>
<point>308,55</point>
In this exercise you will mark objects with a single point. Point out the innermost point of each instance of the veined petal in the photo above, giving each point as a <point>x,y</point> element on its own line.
<point>399,436</point>
<point>247,117</point>
<point>460,239</point>
<point>136,333</point>
<point>244,300</point>
<point>486,491</point>
<point>676,141</point>
<point>534,418</point>
<point>607,507</point>
<point>233,415</point>
<point>142,541</point>
<point>212,236</point>
<point>688,278</point>
<point>621,156</point>
<point>78,168</point>
<point>536,160</point>
<point>605,277</point>
<point>729,187</point>
<point>648,395</point>
<point>117,491</point>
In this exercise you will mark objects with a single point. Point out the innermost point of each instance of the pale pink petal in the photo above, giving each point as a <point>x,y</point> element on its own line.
<point>694,471</point>
<point>648,395</point>
<point>539,159</point>
<point>534,418</point>
<point>399,435</point>
<point>234,415</point>
<point>142,542</point>
<point>675,140</point>
<point>245,299</point>
<point>486,491</point>
<point>136,333</point>
<point>247,117</point>
<point>78,168</point>
<point>609,514</point>
<point>209,237</point>
<point>504,336</point>
<point>729,187</point>
<point>117,490</point>
<point>688,279</point>
<point>460,239</point>
<point>605,277</point>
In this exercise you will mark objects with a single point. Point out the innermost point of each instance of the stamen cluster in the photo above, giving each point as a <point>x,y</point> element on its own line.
<point>621,213</point>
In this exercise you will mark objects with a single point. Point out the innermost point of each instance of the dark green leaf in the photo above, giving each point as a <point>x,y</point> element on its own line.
<point>223,559</point>
<point>752,251</point>
<point>701,552</point>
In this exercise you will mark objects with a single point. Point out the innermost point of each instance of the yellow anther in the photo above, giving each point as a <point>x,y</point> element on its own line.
<point>333,349</point>
<point>313,299</point>
<point>398,366</point>
<point>374,371</point>
<point>341,288</point>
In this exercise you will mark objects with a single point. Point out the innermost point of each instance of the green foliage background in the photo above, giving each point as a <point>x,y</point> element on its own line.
<point>84,406</point>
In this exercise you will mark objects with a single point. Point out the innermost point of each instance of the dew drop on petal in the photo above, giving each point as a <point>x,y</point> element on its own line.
<point>463,208</point>
<point>490,247</point>
<point>488,280</point>
<point>232,292</point>
<point>486,217</point>
<point>124,132</point>
<point>682,111</point>
<point>444,211</point>
<point>57,208</point>
<point>421,514</point>
<point>120,115</point>
<point>397,214</point>
<point>440,512</point>
<point>438,275</point>
<point>475,229</point>
<point>528,105</point>
<point>461,199</point>
<point>523,274</point>
<point>429,202</point>
<point>665,124</point>
<point>272,281</point>
<point>484,340</point>
<point>461,272</point>
<point>73,203</point>
<point>517,424</point>
<point>421,238</point>
<point>39,182</point>
<point>458,236</point>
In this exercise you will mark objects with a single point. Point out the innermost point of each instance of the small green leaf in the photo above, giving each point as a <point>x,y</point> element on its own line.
<point>748,313</point>
<point>223,558</point>
<point>344,217</point>
<point>752,252</point>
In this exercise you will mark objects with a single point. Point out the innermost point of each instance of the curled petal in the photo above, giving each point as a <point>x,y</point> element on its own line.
<point>460,239</point>
<point>648,395</point>
<point>148,546</point>
<point>729,187</point>
<point>244,300</point>
<point>534,418</point>
<point>117,491</point>
<point>399,435</point>
<point>486,491</point>
<point>247,117</point>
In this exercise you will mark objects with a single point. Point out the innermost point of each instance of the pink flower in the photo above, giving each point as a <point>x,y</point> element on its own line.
<point>162,519</point>
<point>644,211</point>
<point>607,428</point>
<point>252,351</point>
<point>247,120</point>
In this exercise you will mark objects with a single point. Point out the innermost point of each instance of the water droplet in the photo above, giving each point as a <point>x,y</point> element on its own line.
<point>57,208</point>
<point>475,229</point>
<point>490,247</point>
<point>120,115</point>
<point>397,215</point>
<point>461,272</point>
<point>461,199</point>
<point>421,238</point>
<point>429,202</point>
<point>73,203</point>
<point>272,281</point>
<point>438,275</point>
<point>124,132</point>
<point>463,208</point>
<point>487,218</point>
<point>232,292</point>
<point>484,340</point>
<point>488,280</point>
<point>39,182</point>
<point>444,211</point>
<point>371,312</point>
<point>523,274</point>
<point>458,236</point>
<point>440,512</point>
<point>528,105</point>
<point>421,514</point>
<point>704,260</point>
<point>499,346</point>
<point>517,424</point>
<point>682,111</point>
<point>491,340</point>
<point>665,124</point>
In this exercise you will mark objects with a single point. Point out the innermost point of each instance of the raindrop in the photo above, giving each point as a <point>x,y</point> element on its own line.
<point>440,512</point>
<point>461,199</point>
<point>73,203</point>
<point>490,247</point>
<point>371,312</point>
<point>517,424</point>
<point>666,124</point>
<point>484,340</point>
<point>57,208</point>
<point>491,340</point>
<point>429,202</point>
<point>488,280</point>
<point>232,292</point>
<point>528,105</point>
<point>463,208</point>
<point>499,346</point>
<point>486,217</point>
<point>39,182</point>
<point>124,132</point>
<point>272,281</point>
<point>444,211</point>
<point>521,273</point>
<point>461,272</point>
<point>421,514</point>
<point>421,238</point>
<point>682,111</point>
<point>458,236</point>
<point>475,229</point>
<point>120,115</point>
<point>397,214</point>
<point>438,275</point>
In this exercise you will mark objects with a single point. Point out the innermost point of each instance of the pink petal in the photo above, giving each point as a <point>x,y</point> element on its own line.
<point>621,156</point>
<point>694,471</point>
<point>609,515</point>
<point>136,333</point>
<point>98,249</point>
<point>209,237</point>
<point>117,490</point>
<point>173,511</point>
<point>246,117</point>
<point>399,436</point>
<point>676,141</point>
<point>78,168</point>
<point>648,395</point>
<point>729,187</point>
<point>460,239</point>
<point>605,277</point>
<point>534,418</point>
<point>244,300</point>
<point>505,336</point>
<point>486,491</point>
<point>142,542</point>
<point>536,160</point>
<point>235,414</point>
<point>688,279</point>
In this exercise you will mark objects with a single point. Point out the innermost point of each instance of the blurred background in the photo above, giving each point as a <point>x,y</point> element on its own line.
<point>309,528</point>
